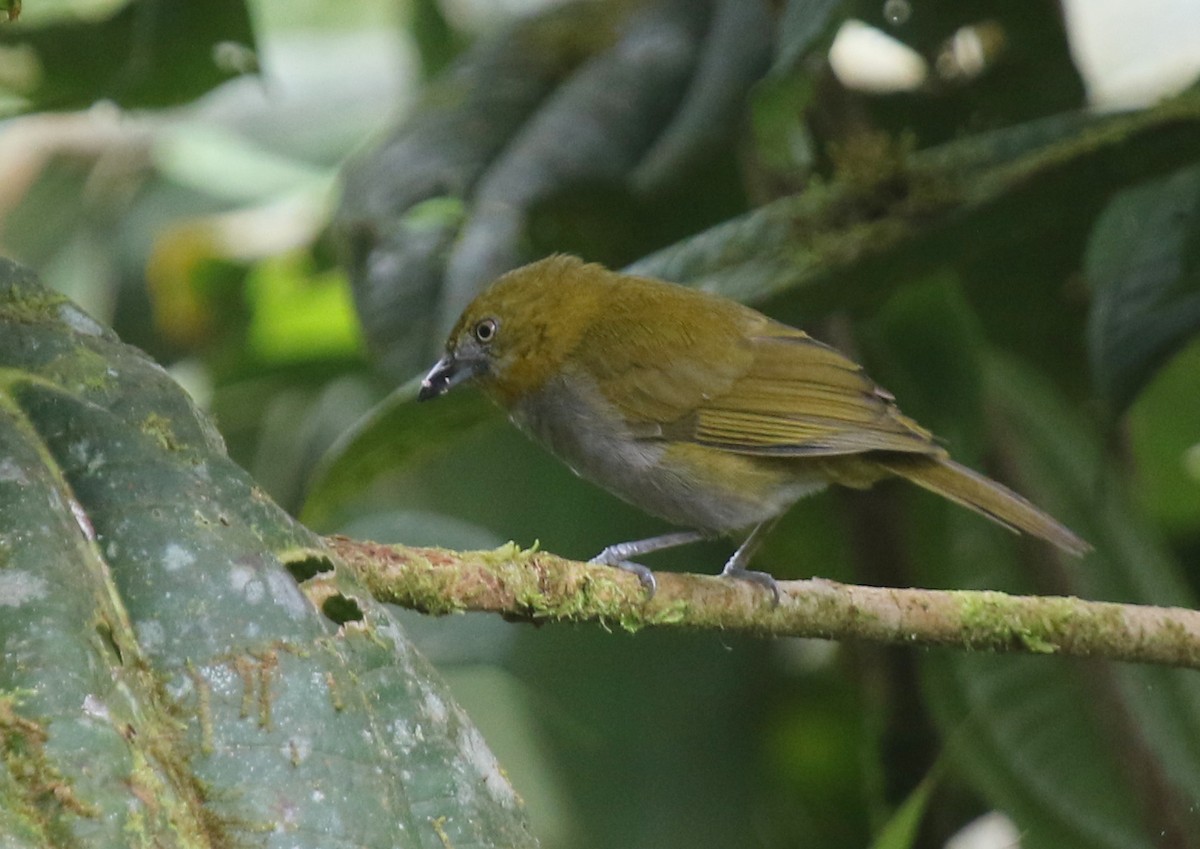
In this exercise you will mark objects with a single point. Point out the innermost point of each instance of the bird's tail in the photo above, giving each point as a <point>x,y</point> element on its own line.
<point>987,497</point>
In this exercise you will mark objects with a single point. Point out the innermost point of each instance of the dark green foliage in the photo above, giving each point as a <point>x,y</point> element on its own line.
<point>147,53</point>
<point>1018,270</point>
<point>956,245</point>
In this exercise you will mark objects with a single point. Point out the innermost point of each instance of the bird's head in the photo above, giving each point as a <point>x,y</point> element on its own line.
<point>520,331</point>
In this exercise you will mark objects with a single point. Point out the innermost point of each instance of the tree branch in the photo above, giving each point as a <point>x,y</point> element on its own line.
<point>538,586</point>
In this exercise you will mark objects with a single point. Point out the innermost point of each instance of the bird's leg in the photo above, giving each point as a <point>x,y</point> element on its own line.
<point>736,566</point>
<point>618,555</point>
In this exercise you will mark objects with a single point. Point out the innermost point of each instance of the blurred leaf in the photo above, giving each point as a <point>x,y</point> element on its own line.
<point>467,115</point>
<point>847,245</point>
<point>294,425</point>
<point>1166,445</point>
<point>436,41</point>
<point>436,156</point>
<point>901,830</point>
<point>393,434</point>
<point>149,53</point>
<point>592,118</point>
<point>732,58</point>
<point>801,24</point>
<point>784,143</point>
<point>420,527</point>
<point>299,315</point>
<point>813,744</point>
<point>396,274</point>
<point>164,680</point>
<point>661,749</point>
<point>226,164</point>
<point>1143,263</point>
<point>596,128</point>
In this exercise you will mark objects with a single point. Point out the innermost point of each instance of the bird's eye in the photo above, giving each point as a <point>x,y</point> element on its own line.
<point>485,330</point>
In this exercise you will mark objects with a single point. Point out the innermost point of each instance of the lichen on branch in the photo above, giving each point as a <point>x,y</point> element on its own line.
<point>538,586</point>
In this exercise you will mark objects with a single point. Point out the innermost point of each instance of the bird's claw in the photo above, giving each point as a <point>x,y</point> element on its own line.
<point>761,578</point>
<point>644,575</point>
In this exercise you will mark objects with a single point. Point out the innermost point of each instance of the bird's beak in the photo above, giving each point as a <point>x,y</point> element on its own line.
<point>446,373</point>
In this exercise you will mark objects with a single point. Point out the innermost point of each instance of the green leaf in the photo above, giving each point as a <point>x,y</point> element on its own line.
<point>1166,447</point>
<point>783,139</point>
<point>900,832</point>
<point>165,679</point>
<point>1143,263</point>
<point>297,314</point>
<point>148,53</point>
<point>394,433</point>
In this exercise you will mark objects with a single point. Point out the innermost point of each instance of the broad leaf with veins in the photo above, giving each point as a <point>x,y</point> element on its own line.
<point>166,680</point>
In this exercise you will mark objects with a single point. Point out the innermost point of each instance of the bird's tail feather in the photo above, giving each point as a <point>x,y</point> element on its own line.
<point>987,497</point>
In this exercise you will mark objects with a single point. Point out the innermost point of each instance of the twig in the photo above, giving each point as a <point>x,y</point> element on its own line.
<point>538,586</point>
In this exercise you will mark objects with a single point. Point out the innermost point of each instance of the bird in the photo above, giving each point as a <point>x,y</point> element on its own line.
<point>695,408</point>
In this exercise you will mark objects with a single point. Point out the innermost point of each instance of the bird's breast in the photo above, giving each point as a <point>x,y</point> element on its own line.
<point>573,419</point>
<point>686,484</point>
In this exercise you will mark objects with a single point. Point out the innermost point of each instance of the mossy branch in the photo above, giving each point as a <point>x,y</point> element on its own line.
<point>539,586</point>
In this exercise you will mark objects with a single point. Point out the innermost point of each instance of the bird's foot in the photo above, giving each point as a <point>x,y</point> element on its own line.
<point>614,556</point>
<point>619,555</point>
<point>764,580</point>
<point>736,567</point>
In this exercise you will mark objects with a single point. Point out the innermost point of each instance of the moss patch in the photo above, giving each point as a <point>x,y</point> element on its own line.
<point>47,800</point>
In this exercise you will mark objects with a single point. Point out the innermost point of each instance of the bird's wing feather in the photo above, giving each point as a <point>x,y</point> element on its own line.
<point>654,371</point>
<point>800,397</point>
<point>731,378</point>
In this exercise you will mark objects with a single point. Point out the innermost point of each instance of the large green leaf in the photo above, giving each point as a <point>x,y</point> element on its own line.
<point>165,680</point>
<point>1143,263</point>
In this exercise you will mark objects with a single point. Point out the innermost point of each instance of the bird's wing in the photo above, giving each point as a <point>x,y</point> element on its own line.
<point>731,378</point>
<point>800,397</point>
<point>658,372</point>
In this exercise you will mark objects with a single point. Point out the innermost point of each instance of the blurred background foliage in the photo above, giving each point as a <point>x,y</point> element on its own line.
<point>945,189</point>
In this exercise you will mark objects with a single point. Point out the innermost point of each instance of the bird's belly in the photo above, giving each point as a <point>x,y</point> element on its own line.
<point>686,484</point>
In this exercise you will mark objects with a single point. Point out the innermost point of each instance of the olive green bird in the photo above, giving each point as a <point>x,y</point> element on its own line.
<point>695,408</point>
